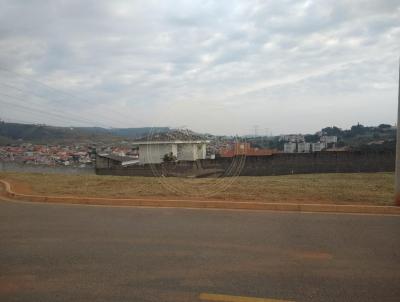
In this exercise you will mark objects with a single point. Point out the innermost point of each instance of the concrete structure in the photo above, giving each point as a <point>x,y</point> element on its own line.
<point>318,147</point>
<point>153,152</point>
<point>329,139</point>
<point>293,138</point>
<point>27,168</point>
<point>289,148</point>
<point>276,164</point>
<point>112,160</point>
<point>303,147</point>
<point>238,149</point>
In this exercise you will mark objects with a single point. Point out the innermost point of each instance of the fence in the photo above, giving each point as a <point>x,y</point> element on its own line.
<point>27,168</point>
<point>277,164</point>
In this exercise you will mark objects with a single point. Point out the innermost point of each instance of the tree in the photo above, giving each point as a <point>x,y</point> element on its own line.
<point>311,138</point>
<point>332,131</point>
<point>169,157</point>
<point>358,129</point>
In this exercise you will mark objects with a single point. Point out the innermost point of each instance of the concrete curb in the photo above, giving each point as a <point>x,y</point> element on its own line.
<point>203,204</point>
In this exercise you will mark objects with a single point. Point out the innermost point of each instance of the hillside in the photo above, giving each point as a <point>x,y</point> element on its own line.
<point>15,132</point>
<point>357,138</point>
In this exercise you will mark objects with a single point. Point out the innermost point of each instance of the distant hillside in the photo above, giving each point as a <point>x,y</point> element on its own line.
<point>357,138</point>
<point>173,134</point>
<point>137,132</point>
<point>15,132</point>
<point>29,132</point>
<point>132,133</point>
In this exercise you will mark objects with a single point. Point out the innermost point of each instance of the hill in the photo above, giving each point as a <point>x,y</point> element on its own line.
<point>15,132</point>
<point>357,138</point>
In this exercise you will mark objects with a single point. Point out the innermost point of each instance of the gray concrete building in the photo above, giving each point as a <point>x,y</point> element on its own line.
<point>153,152</point>
<point>289,148</point>
<point>303,147</point>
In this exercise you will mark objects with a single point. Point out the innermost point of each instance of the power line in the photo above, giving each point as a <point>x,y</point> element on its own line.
<point>42,97</point>
<point>47,112</point>
<point>60,92</point>
<point>31,110</point>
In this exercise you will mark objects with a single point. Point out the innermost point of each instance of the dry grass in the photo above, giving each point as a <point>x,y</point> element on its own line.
<point>361,188</point>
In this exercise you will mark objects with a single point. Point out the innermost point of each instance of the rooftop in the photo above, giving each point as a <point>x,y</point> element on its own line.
<point>177,135</point>
<point>119,158</point>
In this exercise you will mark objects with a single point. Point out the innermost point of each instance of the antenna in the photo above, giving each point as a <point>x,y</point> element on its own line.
<point>397,187</point>
<point>255,130</point>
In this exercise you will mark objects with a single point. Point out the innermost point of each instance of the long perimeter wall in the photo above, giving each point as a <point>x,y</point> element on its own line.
<point>27,168</point>
<point>277,164</point>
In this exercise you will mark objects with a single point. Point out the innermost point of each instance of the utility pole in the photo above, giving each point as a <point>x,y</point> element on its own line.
<point>397,187</point>
<point>255,130</point>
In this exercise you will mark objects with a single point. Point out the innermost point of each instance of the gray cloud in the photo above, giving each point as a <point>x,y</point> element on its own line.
<point>216,66</point>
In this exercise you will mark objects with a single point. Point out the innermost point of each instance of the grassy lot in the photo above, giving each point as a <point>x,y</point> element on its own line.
<point>361,188</point>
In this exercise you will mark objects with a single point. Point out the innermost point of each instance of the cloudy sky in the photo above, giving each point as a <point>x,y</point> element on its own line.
<point>213,66</point>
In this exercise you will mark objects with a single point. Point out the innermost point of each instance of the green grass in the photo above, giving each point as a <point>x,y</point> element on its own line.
<point>360,188</point>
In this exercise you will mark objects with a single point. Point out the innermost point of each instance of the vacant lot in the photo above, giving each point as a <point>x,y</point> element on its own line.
<point>361,188</point>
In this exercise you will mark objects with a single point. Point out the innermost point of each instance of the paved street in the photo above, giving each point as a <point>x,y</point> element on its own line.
<point>85,253</point>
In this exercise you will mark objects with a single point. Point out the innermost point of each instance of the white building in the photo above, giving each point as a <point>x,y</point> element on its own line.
<point>289,148</point>
<point>153,152</point>
<point>329,139</point>
<point>303,147</point>
<point>292,138</point>
<point>318,147</point>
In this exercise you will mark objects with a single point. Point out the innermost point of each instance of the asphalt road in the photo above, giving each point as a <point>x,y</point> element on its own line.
<point>87,253</point>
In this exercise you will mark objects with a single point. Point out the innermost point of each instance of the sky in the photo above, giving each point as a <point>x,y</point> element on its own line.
<point>222,67</point>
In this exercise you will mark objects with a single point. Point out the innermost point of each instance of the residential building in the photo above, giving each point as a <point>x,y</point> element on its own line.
<point>289,148</point>
<point>329,139</point>
<point>292,138</point>
<point>153,152</point>
<point>303,147</point>
<point>244,149</point>
<point>112,161</point>
<point>318,147</point>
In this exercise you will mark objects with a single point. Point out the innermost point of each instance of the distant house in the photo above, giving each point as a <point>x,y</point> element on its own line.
<point>244,149</point>
<point>303,147</point>
<point>292,138</point>
<point>112,161</point>
<point>153,152</point>
<point>329,139</point>
<point>318,147</point>
<point>289,148</point>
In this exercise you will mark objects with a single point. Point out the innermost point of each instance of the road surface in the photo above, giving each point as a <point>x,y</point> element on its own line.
<point>89,253</point>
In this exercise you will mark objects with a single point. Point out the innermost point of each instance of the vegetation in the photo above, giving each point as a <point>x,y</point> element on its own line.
<point>169,157</point>
<point>357,138</point>
<point>361,188</point>
<point>15,132</point>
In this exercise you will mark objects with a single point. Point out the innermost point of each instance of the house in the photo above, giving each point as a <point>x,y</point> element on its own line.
<point>303,147</point>
<point>112,161</point>
<point>153,152</point>
<point>318,147</point>
<point>289,148</point>
<point>330,141</point>
<point>244,149</point>
<point>292,138</point>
